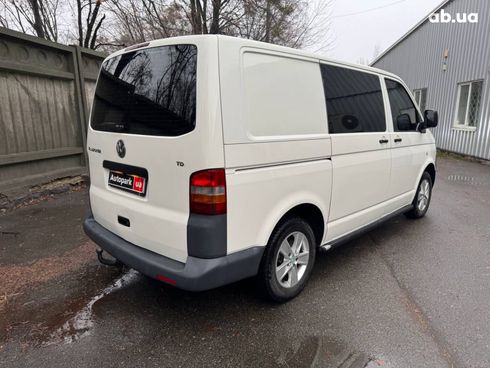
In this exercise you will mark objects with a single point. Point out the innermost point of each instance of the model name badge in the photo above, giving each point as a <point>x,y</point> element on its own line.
<point>96,150</point>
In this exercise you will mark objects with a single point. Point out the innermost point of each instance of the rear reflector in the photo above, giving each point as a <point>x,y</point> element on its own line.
<point>166,279</point>
<point>208,192</point>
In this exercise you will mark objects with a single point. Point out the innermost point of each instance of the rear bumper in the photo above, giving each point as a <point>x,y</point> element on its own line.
<point>196,274</point>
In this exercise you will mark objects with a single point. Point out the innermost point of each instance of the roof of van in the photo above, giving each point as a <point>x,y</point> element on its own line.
<point>252,43</point>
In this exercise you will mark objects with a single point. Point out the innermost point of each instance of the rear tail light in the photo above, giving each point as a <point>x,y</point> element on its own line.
<point>208,192</point>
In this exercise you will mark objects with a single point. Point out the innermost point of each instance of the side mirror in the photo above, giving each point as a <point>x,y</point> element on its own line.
<point>403,122</point>
<point>431,118</point>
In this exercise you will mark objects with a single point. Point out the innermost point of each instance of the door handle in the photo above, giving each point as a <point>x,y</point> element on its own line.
<point>382,141</point>
<point>398,140</point>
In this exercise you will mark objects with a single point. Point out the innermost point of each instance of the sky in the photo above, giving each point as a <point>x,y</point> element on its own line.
<point>359,27</point>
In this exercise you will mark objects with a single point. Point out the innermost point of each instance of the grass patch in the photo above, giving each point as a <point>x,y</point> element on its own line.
<point>457,156</point>
<point>447,154</point>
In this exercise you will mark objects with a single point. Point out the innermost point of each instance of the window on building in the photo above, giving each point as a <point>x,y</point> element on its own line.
<point>354,100</point>
<point>468,104</point>
<point>401,104</point>
<point>421,98</point>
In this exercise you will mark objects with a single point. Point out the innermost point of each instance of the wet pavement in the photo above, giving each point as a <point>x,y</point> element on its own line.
<point>408,294</point>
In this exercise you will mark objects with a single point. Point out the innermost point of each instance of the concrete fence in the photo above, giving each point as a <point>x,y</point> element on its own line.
<point>45,96</point>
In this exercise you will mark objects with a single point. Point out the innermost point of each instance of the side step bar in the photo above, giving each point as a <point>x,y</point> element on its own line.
<point>356,233</point>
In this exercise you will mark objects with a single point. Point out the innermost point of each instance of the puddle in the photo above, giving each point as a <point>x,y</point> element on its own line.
<point>471,180</point>
<point>82,323</point>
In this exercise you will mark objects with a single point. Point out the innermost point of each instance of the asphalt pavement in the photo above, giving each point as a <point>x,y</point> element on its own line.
<point>407,294</point>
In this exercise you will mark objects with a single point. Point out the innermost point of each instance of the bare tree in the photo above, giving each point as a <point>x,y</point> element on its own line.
<point>4,22</point>
<point>38,17</point>
<point>295,23</point>
<point>140,20</point>
<point>89,21</point>
<point>211,17</point>
<point>115,23</point>
<point>42,18</point>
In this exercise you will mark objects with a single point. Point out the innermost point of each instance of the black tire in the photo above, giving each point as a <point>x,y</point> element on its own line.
<point>419,211</point>
<point>273,258</point>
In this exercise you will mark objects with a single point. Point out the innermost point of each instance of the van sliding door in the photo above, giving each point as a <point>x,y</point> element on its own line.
<point>361,157</point>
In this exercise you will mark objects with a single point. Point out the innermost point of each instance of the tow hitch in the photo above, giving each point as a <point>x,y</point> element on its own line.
<point>107,261</point>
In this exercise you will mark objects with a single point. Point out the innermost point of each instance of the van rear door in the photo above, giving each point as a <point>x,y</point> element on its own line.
<point>155,120</point>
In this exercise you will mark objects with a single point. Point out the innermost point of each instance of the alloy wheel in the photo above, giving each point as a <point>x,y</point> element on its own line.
<point>292,259</point>
<point>424,195</point>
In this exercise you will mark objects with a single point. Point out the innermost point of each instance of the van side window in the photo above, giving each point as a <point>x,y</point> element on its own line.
<point>401,104</point>
<point>354,100</point>
<point>283,96</point>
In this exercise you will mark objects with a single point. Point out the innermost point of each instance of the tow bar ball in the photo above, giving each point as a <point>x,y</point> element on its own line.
<point>106,259</point>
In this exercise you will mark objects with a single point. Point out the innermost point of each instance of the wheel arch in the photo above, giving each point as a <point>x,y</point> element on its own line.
<point>431,169</point>
<point>311,213</point>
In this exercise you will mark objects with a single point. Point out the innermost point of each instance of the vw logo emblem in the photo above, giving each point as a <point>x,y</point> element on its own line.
<point>120,148</point>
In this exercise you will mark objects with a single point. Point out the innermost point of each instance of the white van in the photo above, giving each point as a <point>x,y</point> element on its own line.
<point>214,159</point>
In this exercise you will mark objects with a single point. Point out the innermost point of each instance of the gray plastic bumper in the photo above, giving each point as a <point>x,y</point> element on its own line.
<point>196,274</point>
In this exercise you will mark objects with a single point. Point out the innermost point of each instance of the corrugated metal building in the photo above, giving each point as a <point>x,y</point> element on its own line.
<point>447,65</point>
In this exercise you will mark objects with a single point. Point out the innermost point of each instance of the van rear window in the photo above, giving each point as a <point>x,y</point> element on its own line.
<point>149,92</point>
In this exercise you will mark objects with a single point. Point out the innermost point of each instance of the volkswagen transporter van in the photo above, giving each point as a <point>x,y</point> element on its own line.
<point>213,159</point>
